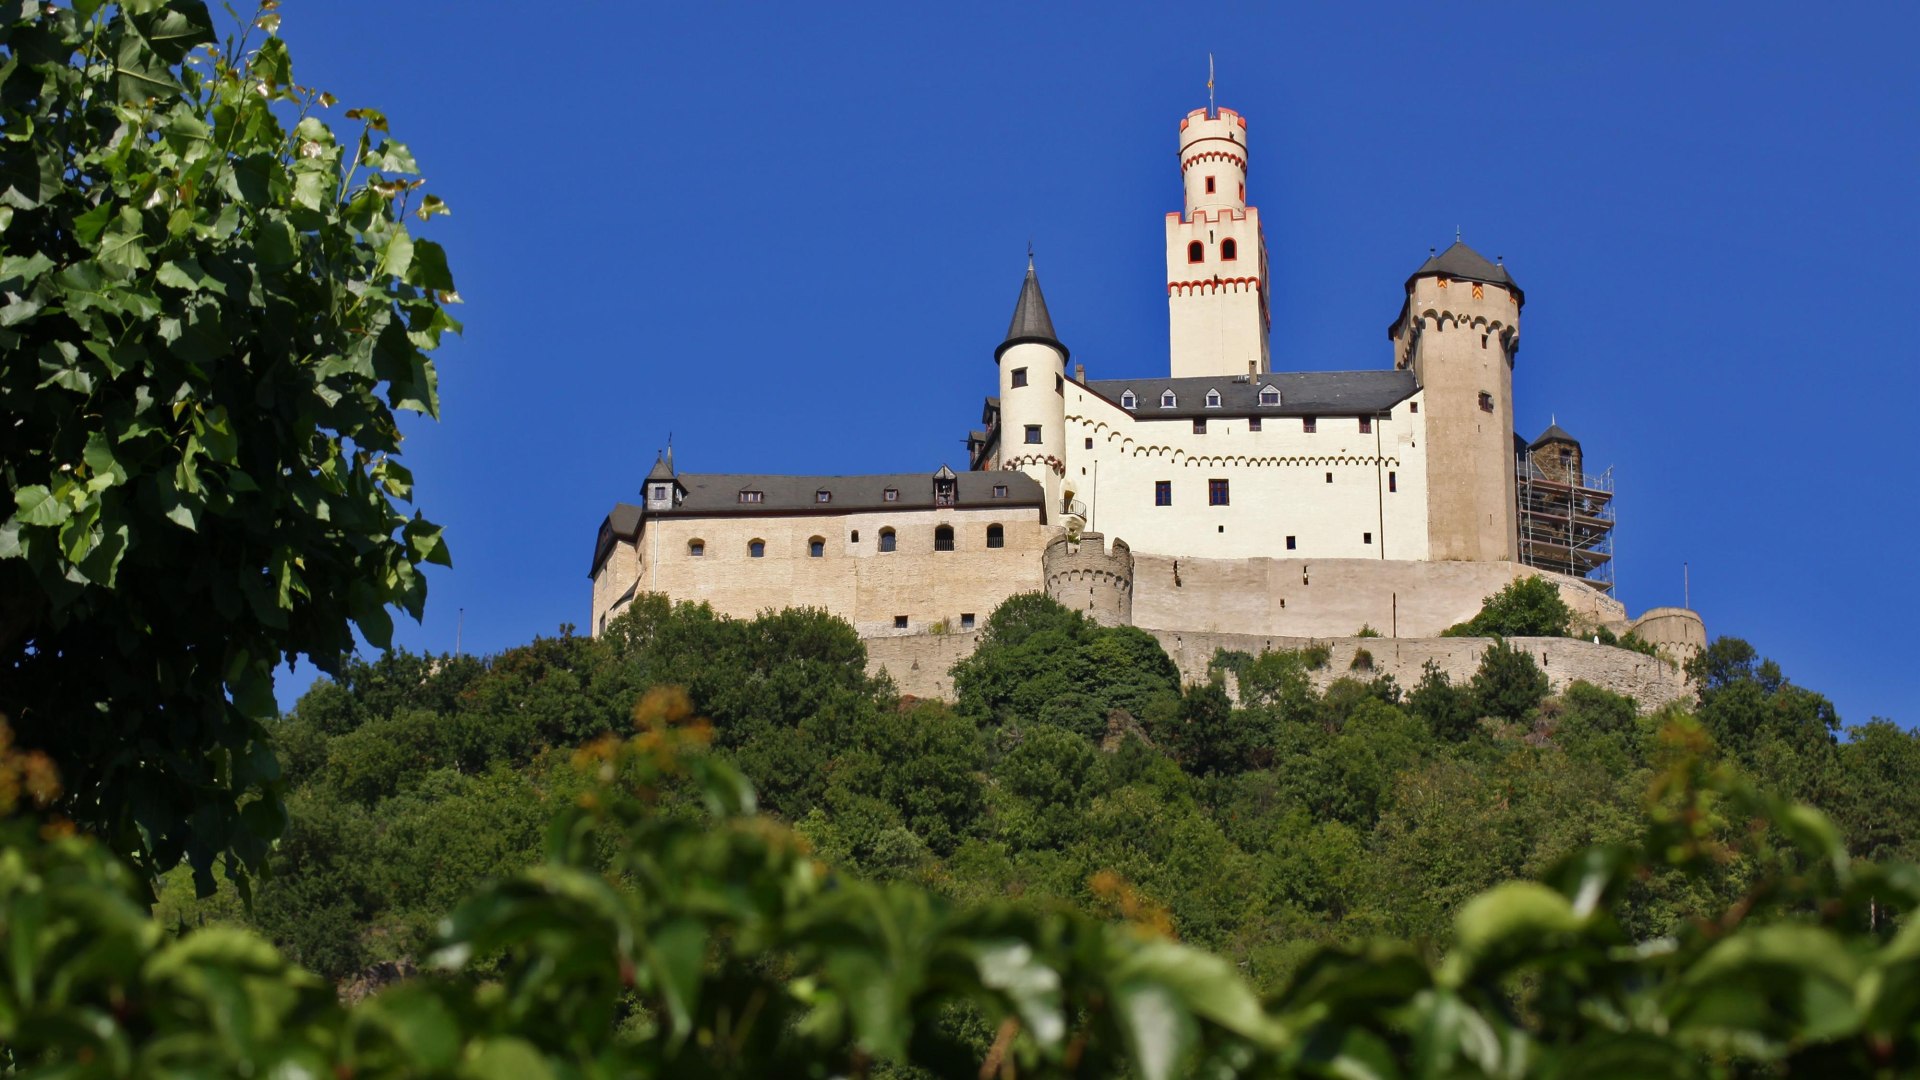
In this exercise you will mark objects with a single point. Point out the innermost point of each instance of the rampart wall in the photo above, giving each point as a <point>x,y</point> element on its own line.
<point>1324,598</point>
<point>920,663</point>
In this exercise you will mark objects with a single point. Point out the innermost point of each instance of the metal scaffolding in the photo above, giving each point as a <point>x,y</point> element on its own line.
<point>1566,520</point>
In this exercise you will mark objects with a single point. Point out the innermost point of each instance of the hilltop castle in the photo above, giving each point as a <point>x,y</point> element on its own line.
<point>1239,499</point>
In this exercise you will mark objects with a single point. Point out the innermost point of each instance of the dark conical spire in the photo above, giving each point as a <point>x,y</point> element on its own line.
<point>1031,323</point>
<point>662,469</point>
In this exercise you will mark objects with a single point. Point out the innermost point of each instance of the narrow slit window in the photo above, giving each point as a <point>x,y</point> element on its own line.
<point>1393,482</point>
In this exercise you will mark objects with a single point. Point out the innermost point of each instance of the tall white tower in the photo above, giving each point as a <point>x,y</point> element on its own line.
<point>1216,255</point>
<point>1033,403</point>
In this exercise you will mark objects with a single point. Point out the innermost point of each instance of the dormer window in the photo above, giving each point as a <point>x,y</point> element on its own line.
<point>1269,396</point>
<point>1128,401</point>
<point>1168,401</point>
<point>1213,399</point>
<point>753,496</point>
<point>890,495</point>
<point>999,491</point>
<point>1229,250</point>
<point>1196,252</point>
<point>823,496</point>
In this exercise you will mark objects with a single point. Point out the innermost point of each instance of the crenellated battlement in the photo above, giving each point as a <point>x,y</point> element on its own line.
<point>1086,576</point>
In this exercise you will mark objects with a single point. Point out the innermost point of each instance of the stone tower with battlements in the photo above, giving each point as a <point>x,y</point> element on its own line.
<point>1082,573</point>
<point>1458,332</point>
<point>1216,255</point>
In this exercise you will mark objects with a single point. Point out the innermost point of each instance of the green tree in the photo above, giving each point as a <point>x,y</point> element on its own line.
<point>1525,607</point>
<point>1508,685</point>
<point>1446,708</point>
<point>210,321</point>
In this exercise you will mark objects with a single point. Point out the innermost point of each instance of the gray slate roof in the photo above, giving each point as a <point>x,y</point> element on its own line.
<point>1554,433</point>
<point>661,470</point>
<point>1302,393</point>
<point>1030,319</point>
<point>1465,264</point>
<point>718,494</point>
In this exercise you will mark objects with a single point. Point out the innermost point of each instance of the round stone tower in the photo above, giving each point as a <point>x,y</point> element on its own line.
<point>1033,403</point>
<point>1458,333</point>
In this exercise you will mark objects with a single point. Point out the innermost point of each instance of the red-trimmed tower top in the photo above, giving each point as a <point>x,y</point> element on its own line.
<point>1216,255</point>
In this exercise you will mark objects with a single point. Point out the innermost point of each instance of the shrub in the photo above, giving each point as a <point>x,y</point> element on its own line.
<point>1366,630</point>
<point>1508,685</point>
<point>1527,607</point>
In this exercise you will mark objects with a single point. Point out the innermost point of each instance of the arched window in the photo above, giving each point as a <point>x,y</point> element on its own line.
<point>696,548</point>
<point>756,549</point>
<point>816,547</point>
<point>1196,252</point>
<point>943,538</point>
<point>996,536</point>
<point>1229,250</point>
<point>1168,401</point>
<point>1128,401</point>
<point>886,539</point>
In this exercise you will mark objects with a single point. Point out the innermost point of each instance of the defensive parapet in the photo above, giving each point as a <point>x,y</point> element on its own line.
<point>1086,576</point>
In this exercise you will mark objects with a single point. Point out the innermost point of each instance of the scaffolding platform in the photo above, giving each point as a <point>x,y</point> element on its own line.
<point>1566,520</point>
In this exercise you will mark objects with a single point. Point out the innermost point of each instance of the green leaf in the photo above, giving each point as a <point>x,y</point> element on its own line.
<point>36,505</point>
<point>505,1059</point>
<point>88,226</point>
<point>312,189</point>
<point>124,247</point>
<point>428,268</point>
<point>398,256</point>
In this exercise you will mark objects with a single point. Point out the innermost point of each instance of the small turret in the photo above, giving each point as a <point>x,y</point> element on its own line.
<point>1033,404</point>
<point>662,489</point>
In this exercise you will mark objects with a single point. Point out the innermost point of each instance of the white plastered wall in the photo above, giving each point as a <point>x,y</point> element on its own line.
<point>1277,481</point>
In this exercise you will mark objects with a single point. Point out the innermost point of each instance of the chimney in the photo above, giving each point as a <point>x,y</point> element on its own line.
<point>1080,374</point>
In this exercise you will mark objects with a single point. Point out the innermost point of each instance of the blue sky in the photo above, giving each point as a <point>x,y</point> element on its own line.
<point>792,235</point>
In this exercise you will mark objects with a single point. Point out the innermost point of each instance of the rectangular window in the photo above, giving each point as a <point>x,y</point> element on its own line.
<point>1413,406</point>
<point>966,620</point>
<point>899,622</point>
<point>1019,376</point>
<point>1199,425</point>
<point>1216,493</point>
<point>1366,425</point>
<point>1329,478</point>
<point>1163,493</point>
<point>1060,385</point>
<point>1308,424</point>
<point>753,496</point>
<point>1486,401</point>
<point>1089,444</point>
<point>1209,185</point>
<point>1033,434</point>
<point>855,538</point>
<point>999,491</point>
<point>1253,424</point>
<point>1289,543</point>
<point>659,492</point>
<point>1366,538</point>
<point>1393,482</point>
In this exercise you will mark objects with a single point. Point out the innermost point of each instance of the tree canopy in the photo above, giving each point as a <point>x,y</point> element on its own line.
<point>213,310</point>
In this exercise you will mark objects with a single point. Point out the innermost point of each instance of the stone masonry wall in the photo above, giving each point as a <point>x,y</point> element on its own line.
<point>919,663</point>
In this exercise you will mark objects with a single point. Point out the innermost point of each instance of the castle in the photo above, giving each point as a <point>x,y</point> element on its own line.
<point>1274,505</point>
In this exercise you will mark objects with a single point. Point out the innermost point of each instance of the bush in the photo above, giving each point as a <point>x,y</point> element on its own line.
<point>1527,607</point>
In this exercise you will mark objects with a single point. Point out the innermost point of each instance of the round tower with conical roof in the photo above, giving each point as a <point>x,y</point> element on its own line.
<point>1458,333</point>
<point>1033,403</point>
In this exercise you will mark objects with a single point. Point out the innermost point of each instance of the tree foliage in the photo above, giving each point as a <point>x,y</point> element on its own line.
<point>212,311</point>
<point>1525,607</point>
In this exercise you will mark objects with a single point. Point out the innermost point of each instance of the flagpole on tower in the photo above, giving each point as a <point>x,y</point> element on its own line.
<point>1210,107</point>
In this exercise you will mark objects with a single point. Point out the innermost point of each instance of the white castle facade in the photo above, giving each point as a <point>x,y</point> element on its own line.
<point>1220,496</point>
